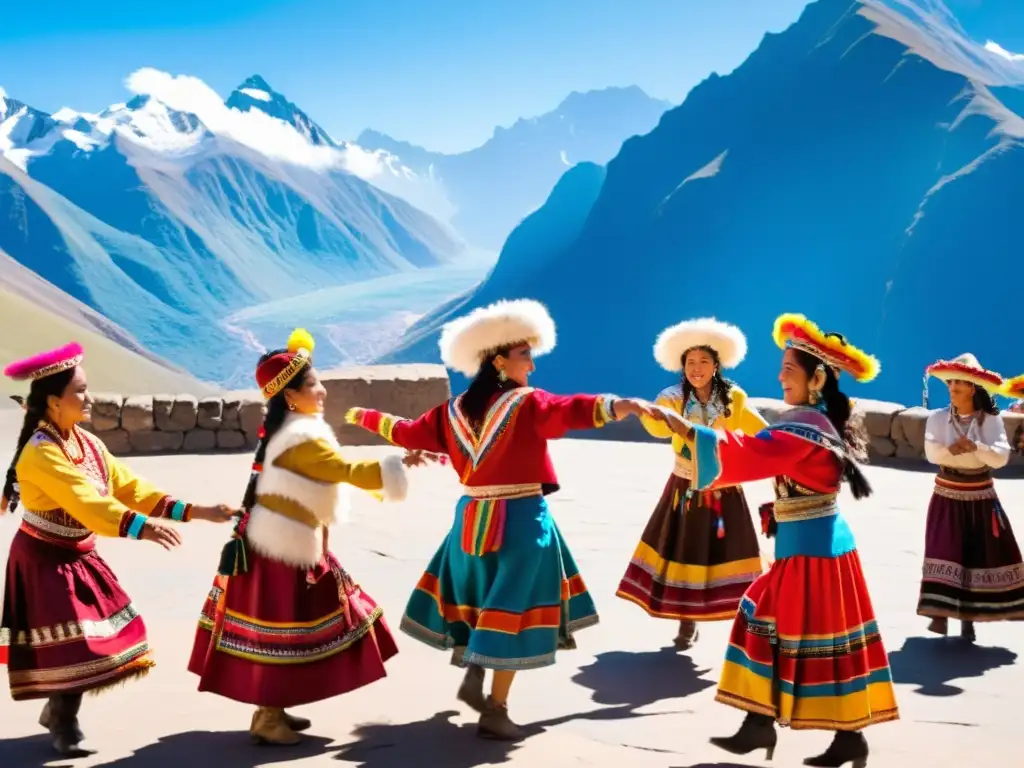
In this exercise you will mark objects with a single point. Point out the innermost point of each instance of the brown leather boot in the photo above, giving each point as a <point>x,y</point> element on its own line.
<point>939,625</point>
<point>269,727</point>
<point>62,712</point>
<point>471,692</point>
<point>687,636</point>
<point>495,723</point>
<point>297,723</point>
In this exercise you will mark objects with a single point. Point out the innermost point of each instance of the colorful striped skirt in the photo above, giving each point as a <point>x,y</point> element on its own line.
<point>805,648</point>
<point>972,563</point>
<point>503,589</point>
<point>696,557</point>
<point>68,627</point>
<point>281,636</point>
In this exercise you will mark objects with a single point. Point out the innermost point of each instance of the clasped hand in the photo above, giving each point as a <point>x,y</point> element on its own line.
<point>963,445</point>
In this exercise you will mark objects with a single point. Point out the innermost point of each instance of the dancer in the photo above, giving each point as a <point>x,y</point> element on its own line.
<point>503,589</point>
<point>68,627</point>
<point>805,649</point>
<point>699,551</point>
<point>284,623</point>
<point>972,564</point>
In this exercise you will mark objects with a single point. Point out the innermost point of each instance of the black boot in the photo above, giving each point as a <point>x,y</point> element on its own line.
<point>67,736</point>
<point>967,631</point>
<point>756,732</point>
<point>846,747</point>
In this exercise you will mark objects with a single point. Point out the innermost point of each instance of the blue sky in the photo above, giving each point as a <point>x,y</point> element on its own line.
<point>441,74</point>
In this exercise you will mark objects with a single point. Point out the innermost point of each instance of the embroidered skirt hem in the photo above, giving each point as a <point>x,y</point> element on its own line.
<point>68,626</point>
<point>281,636</point>
<point>696,557</point>
<point>513,608</point>
<point>972,562</point>
<point>805,648</point>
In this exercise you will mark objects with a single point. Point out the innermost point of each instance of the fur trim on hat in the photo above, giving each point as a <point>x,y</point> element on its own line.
<point>966,367</point>
<point>727,340</point>
<point>466,341</point>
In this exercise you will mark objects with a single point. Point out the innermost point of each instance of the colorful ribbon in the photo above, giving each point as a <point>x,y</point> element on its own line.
<point>483,526</point>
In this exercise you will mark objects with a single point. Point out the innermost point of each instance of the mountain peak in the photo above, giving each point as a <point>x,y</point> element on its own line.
<point>255,94</point>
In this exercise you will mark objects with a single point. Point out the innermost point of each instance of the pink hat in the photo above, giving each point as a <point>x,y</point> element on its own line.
<point>46,363</point>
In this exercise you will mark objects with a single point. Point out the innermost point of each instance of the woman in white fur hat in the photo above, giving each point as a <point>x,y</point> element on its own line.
<point>699,551</point>
<point>503,589</point>
<point>972,564</point>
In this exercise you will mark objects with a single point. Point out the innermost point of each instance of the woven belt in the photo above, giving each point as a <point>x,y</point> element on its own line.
<point>683,468</point>
<point>794,510</point>
<point>965,491</point>
<point>515,491</point>
<point>64,536</point>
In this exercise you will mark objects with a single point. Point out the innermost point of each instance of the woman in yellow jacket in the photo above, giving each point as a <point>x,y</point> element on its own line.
<point>699,551</point>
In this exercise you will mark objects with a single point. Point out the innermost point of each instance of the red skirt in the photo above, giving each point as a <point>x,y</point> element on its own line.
<point>281,636</point>
<point>68,626</point>
<point>805,648</point>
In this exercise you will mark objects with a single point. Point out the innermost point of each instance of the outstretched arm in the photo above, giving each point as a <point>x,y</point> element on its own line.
<point>554,415</point>
<point>423,434</point>
<point>318,460</point>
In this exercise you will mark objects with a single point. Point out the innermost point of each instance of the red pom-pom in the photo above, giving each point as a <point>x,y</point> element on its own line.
<point>262,432</point>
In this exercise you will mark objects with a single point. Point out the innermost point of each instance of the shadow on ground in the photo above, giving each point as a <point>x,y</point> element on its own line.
<point>931,663</point>
<point>195,749</point>
<point>666,674</point>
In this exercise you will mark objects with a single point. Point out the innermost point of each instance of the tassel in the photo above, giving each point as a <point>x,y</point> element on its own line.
<point>996,514</point>
<point>721,528</point>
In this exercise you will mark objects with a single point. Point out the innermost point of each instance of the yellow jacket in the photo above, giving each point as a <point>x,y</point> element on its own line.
<point>744,418</point>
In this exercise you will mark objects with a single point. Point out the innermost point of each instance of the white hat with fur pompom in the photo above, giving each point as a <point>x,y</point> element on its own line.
<point>727,340</point>
<point>469,340</point>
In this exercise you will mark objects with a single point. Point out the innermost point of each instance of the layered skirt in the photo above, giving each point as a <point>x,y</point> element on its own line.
<point>281,636</point>
<point>68,627</point>
<point>696,557</point>
<point>503,589</point>
<point>972,563</point>
<point>805,647</point>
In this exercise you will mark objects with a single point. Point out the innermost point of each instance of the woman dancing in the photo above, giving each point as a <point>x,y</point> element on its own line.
<point>68,627</point>
<point>972,564</point>
<point>805,649</point>
<point>503,589</point>
<point>699,551</point>
<point>284,623</point>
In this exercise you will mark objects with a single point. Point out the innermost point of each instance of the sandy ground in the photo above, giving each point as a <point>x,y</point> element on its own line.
<point>624,698</point>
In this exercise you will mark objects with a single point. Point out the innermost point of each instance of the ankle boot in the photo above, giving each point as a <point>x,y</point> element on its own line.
<point>940,626</point>
<point>495,723</point>
<point>63,724</point>
<point>967,631</point>
<point>687,636</point>
<point>756,732</point>
<point>471,691</point>
<point>846,747</point>
<point>270,727</point>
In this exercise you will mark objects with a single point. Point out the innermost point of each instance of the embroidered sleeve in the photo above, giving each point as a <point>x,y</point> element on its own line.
<point>319,460</point>
<point>554,415</point>
<point>422,434</point>
<point>139,496</point>
<point>45,466</point>
<point>935,448</point>
<point>993,446</point>
<point>731,458</point>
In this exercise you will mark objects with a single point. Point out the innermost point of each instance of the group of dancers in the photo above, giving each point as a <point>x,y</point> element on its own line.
<point>284,623</point>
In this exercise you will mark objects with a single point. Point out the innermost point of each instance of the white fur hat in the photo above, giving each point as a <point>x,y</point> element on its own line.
<point>727,340</point>
<point>466,341</point>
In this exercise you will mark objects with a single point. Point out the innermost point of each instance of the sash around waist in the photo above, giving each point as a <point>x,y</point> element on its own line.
<point>683,469</point>
<point>964,487</point>
<point>800,508</point>
<point>511,491</point>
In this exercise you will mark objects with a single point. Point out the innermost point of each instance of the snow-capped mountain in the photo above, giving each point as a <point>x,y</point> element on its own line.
<point>172,211</point>
<point>864,167</point>
<point>497,184</point>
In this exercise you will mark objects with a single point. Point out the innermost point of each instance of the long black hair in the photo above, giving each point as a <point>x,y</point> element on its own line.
<point>847,423</point>
<point>36,408</point>
<point>984,404</point>
<point>485,385</point>
<point>277,409</point>
<point>720,386</point>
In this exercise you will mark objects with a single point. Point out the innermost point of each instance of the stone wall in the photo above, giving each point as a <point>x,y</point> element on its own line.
<point>162,424</point>
<point>230,422</point>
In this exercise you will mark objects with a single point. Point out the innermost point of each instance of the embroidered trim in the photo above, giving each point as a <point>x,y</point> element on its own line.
<point>517,491</point>
<point>43,523</point>
<point>476,447</point>
<point>792,510</point>
<point>70,630</point>
<point>604,409</point>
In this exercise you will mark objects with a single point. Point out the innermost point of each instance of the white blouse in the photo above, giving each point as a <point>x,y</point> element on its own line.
<point>944,428</point>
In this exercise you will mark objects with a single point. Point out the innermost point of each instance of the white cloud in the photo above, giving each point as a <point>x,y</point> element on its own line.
<point>256,93</point>
<point>993,47</point>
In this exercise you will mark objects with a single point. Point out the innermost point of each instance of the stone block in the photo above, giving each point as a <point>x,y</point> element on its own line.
<point>232,414</point>
<point>137,413</point>
<point>106,411</point>
<point>181,416</point>
<point>880,447</point>
<point>251,408</point>
<point>878,416</point>
<point>210,412</point>
<point>156,441</point>
<point>908,430</point>
<point>200,441</point>
<point>230,439</point>
<point>116,440</point>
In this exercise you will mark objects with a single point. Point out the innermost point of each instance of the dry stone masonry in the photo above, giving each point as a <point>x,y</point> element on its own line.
<point>159,424</point>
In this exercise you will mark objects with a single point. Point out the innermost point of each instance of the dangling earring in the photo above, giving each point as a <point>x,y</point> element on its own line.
<point>502,376</point>
<point>291,406</point>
